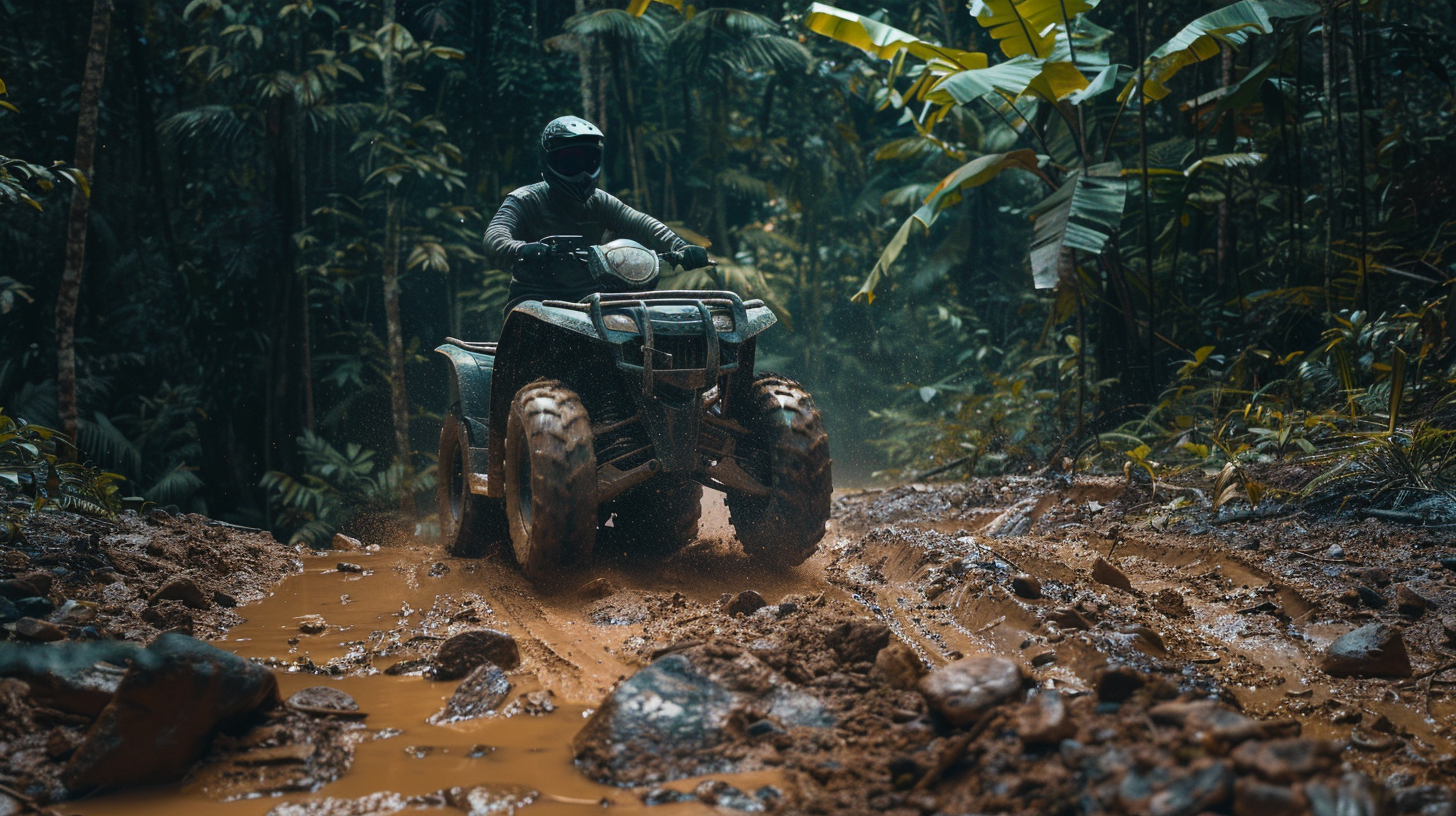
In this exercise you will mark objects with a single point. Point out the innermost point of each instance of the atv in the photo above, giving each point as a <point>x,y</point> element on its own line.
<point>612,413</point>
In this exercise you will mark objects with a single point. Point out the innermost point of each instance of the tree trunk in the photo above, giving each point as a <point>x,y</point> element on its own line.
<point>70,289</point>
<point>394,333</point>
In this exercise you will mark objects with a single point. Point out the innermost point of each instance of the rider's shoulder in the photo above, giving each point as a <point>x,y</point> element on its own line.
<point>529,191</point>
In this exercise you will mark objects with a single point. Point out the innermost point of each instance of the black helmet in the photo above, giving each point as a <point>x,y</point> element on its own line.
<point>573,152</point>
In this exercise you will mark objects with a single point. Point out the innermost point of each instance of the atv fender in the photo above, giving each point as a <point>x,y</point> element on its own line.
<point>760,317</point>
<point>470,375</point>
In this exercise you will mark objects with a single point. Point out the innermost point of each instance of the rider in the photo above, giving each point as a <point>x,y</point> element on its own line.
<point>569,203</point>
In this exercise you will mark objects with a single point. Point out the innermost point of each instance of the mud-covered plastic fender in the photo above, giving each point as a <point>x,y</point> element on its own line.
<point>470,376</point>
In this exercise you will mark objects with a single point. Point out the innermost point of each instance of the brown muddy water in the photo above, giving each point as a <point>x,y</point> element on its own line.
<point>401,752</point>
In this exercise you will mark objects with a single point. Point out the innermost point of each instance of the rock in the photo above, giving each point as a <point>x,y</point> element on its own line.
<point>964,690</point>
<point>1208,718</point>
<point>39,631</point>
<point>1410,603</point>
<point>1449,563</point>
<point>1255,798</point>
<point>1026,586</point>
<point>345,566</point>
<point>1370,597</point>
<point>345,543</point>
<point>1374,576</point>
<point>75,613</point>
<point>174,696</point>
<point>1145,638</point>
<point>439,569</point>
<point>480,693</point>
<point>1069,618</point>
<point>35,607</point>
<point>79,678</point>
<point>1373,650</point>
<point>1286,760</point>
<point>597,589</point>
<point>744,603</point>
<point>1119,684</point>
<point>1448,626</point>
<point>1195,792</point>
<point>677,711</point>
<point>898,666</point>
<point>8,610</point>
<point>322,699</point>
<point>29,585</point>
<point>1043,658</point>
<point>180,589</point>
<point>10,806</point>
<point>459,655</point>
<point>1103,572</point>
<point>858,641</point>
<point>312,624</point>
<point>1044,720</point>
<point>1335,551</point>
<point>224,600</point>
<point>491,800</point>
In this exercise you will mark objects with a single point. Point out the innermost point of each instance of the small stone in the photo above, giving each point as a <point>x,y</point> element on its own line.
<point>1044,720</point>
<point>1449,563</point>
<point>898,666</point>
<point>744,603</point>
<point>9,611</point>
<point>597,589</point>
<point>1145,637</point>
<point>180,589</point>
<point>1119,684</point>
<point>459,655</point>
<point>1067,617</point>
<point>1410,603</point>
<point>312,624</point>
<point>480,693</point>
<point>858,641</point>
<point>1374,576</point>
<point>1254,798</point>
<point>345,566</point>
<point>1026,586</point>
<point>1448,627</point>
<point>1371,598</point>
<point>1373,650</point>
<point>1103,572</point>
<point>964,690</point>
<point>35,607</point>
<point>1209,718</point>
<point>1335,551</point>
<point>38,630</point>
<point>1286,760</point>
<point>1040,659</point>
<point>345,543</point>
<point>439,569</point>
<point>786,609</point>
<point>322,699</point>
<point>224,600</point>
<point>75,613</point>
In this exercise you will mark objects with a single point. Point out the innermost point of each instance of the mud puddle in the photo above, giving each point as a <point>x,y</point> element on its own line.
<point>567,660</point>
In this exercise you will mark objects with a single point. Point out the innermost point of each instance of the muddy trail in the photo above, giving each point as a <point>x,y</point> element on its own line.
<point>1000,646</point>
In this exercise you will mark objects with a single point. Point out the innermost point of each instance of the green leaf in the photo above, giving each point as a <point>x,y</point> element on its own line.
<point>639,7</point>
<point>1027,27</point>
<point>880,40</point>
<point>1082,214</point>
<point>1011,77</point>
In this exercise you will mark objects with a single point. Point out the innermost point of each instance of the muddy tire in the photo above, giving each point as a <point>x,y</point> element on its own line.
<point>660,517</point>
<point>789,452</point>
<point>470,525</point>
<point>550,479</point>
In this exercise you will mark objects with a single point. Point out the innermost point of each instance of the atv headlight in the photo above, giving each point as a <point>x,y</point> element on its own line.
<point>621,323</point>
<point>723,321</point>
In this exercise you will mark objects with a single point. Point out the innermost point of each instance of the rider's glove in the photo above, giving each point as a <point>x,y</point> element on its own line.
<point>532,252</point>
<point>691,257</point>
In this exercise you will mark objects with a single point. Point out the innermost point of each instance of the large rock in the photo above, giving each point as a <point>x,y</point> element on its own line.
<point>1373,650</point>
<point>79,678</point>
<point>964,690</point>
<point>462,653</point>
<point>174,697</point>
<point>667,721</point>
<point>181,589</point>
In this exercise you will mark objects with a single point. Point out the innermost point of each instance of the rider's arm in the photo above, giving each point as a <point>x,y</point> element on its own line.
<point>625,222</point>
<point>501,243</point>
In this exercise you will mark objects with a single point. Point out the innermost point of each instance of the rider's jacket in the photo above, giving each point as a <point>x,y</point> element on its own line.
<point>536,211</point>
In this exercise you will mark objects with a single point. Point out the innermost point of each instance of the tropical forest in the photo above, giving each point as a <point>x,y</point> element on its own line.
<point>711,406</point>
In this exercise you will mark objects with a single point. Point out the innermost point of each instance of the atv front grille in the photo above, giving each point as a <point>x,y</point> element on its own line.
<point>673,353</point>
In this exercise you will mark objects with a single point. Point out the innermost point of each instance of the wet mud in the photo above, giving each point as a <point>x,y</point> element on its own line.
<point>1091,647</point>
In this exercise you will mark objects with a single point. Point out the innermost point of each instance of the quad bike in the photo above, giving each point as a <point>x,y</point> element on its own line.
<point>620,408</point>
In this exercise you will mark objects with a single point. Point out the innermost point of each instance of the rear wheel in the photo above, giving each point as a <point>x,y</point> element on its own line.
<point>550,479</point>
<point>660,517</point>
<point>789,452</point>
<point>469,524</point>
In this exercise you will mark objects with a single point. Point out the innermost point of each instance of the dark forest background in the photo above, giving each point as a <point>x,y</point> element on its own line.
<point>987,248</point>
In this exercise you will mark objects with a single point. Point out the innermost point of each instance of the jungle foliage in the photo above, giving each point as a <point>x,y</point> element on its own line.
<point>1005,234</point>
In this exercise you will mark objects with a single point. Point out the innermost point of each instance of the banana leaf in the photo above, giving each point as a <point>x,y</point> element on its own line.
<point>1082,214</point>
<point>883,41</point>
<point>1027,27</point>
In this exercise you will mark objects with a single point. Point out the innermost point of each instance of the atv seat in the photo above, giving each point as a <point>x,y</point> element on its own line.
<point>478,348</point>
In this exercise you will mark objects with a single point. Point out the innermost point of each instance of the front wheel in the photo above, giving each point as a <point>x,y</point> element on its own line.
<point>790,454</point>
<point>550,479</point>
<point>469,524</point>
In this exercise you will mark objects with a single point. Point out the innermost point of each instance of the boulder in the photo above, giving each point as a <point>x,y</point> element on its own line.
<point>964,690</point>
<point>1373,650</point>
<point>176,694</point>
<point>181,589</point>
<point>459,655</point>
<point>480,693</point>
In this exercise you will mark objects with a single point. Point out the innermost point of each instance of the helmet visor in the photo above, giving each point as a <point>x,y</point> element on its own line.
<point>574,159</point>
